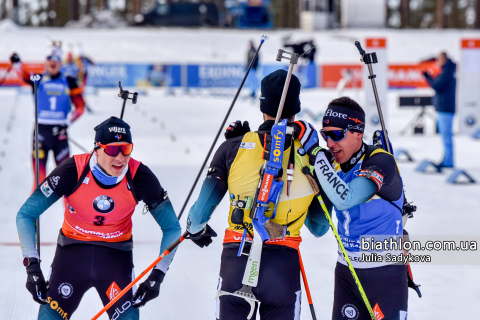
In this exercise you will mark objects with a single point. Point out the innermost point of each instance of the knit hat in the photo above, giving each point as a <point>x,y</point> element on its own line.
<point>271,94</point>
<point>112,130</point>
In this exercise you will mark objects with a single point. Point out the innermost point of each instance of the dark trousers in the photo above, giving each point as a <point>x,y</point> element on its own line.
<point>77,268</point>
<point>386,286</point>
<point>50,137</point>
<point>278,287</point>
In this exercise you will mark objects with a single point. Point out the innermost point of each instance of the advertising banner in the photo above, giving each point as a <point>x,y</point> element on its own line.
<point>468,87</point>
<point>12,78</point>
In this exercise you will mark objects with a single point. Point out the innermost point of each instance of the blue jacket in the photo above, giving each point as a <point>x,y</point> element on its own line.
<point>444,85</point>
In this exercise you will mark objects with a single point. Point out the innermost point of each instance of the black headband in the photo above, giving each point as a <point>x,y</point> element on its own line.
<point>344,118</point>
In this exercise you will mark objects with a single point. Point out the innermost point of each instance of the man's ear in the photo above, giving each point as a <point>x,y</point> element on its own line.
<point>358,136</point>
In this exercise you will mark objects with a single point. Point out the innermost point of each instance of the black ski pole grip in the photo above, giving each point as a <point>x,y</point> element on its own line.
<point>359,47</point>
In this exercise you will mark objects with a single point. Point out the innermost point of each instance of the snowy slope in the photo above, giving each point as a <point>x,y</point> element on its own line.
<point>182,45</point>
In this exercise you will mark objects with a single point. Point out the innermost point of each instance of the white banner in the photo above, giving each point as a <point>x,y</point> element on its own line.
<point>469,87</point>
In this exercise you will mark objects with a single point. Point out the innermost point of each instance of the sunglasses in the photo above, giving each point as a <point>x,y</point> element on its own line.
<point>114,150</point>
<point>54,58</point>
<point>335,135</point>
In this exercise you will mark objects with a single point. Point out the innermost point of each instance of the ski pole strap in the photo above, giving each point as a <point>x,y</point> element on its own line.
<point>347,259</point>
<point>150,267</point>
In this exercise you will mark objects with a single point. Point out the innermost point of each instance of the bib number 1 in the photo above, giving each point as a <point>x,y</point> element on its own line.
<point>53,103</point>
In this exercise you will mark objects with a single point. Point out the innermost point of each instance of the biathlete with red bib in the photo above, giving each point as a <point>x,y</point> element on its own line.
<point>94,249</point>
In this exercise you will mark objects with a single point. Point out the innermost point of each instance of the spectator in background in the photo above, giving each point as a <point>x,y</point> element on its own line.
<point>252,77</point>
<point>444,85</point>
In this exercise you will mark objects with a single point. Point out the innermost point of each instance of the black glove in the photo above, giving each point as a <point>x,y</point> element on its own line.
<point>149,289</point>
<point>202,238</point>
<point>36,282</point>
<point>426,74</point>
<point>14,58</point>
<point>236,129</point>
<point>308,137</point>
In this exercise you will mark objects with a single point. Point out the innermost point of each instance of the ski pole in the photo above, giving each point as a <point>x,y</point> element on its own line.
<point>263,38</point>
<point>369,59</point>
<point>79,146</point>
<point>6,74</point>
<point>316,190</point>
<point>124,94</point>
<point>141,275</point>
<point>35,79</point>
<point>307,289</point>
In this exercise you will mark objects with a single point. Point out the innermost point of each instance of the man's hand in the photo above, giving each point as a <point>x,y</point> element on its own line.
<point>36,284</point>
<point>236,129</point>
<point>149,289</point>
<point>14,58</point>
<point>202,238</point>
<point>308,137</point>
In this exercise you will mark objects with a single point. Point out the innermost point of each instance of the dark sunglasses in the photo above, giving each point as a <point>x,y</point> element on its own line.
<point>335,135</point>
<point>114,150</point>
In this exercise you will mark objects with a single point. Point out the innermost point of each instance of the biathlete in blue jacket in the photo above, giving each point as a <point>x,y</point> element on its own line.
<point>55,95</point>
<point>365,187</point>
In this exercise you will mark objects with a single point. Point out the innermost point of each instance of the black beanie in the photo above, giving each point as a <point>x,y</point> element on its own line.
<point>112,130</point>
<point>272,88</point>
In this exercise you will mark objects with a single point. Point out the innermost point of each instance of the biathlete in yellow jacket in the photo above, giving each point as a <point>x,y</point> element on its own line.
<point>235,168</point>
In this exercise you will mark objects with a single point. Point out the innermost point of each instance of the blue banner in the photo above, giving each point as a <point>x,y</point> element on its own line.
<point>215,75</point>
<point>192,76</point>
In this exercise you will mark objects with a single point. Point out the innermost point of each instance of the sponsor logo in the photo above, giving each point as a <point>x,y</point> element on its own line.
<point>86,180</point>
<point>119,312</point>
<point>247,145</point>
<point>46,190</point>
<point>52,86</point>
<point>54,181</point>
<point>152,283</point>
<point>350,311</point>
<point>103,204</point>
<point>117,130</point>
<point>66,290</point>
<point>266,184</point>
<point>54,305</point>
<point>118,137</point>
<point>355,120</point>
<point>253,271</point>
<point>70,208</point>
<point>378,313</point>
<point>331,113</point>
<point>113,291</point>
<point>277,152</point>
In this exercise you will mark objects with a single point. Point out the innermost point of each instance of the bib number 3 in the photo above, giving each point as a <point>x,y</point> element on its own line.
<point>99,220</point>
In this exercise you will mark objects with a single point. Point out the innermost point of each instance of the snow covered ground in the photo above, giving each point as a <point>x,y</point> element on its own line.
<point>184,126</point>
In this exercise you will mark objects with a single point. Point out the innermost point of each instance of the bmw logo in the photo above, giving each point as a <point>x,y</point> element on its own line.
<point>103,204</point>
<point>470,120</point>
<point>301,151</point>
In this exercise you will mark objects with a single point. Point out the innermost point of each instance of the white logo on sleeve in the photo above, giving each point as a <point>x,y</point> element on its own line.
<point>46,190</point>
